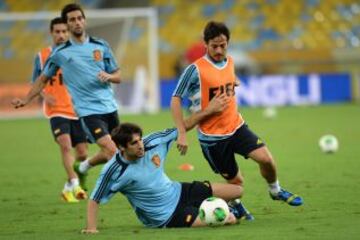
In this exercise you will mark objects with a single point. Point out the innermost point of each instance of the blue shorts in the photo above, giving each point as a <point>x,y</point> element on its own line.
<point>221,154</point>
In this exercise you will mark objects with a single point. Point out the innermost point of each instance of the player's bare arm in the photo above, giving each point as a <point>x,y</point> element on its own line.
<point>216,105</point>
<point>91,218</point>
<point>177,114</point>
<point>110,77</point>
<point>35,90</point>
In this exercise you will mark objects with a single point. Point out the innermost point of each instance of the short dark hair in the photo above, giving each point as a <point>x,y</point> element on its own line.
<point>122,134</point>
<point>214,29</point>
<point>54,21</point>
<point>70,8</point>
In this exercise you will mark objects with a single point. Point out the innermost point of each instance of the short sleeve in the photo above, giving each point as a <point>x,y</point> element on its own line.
<point>110,62</point>
<point>189,76</point>
<point>36,69</point>
<point>51,66</point>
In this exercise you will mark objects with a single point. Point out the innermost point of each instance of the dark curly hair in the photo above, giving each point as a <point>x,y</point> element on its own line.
<point>214,29</point>
<point>122,134</point>
<point>70,8</point>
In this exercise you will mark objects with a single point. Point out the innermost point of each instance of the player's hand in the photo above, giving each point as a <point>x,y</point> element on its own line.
<point>89,231</point>
<point>18,103</point>
<point>182,145</point>
<point>49,99</point>
<point>104,77</point>
<point>237,82</point>
<point>218,104</point>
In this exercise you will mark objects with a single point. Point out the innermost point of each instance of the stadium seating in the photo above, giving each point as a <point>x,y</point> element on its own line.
<point>263,28</point>
<point>33,36</point>
<point>269,30</point>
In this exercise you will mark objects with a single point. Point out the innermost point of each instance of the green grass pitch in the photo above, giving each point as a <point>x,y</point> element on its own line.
<point>32,178</point>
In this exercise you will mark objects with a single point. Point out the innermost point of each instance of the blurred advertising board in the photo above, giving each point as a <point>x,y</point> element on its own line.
<point>281,90</point>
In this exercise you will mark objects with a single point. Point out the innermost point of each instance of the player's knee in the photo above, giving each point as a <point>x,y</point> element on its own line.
<point>268,160</point>
<point>110,150</point>
<point>237,180</point>
<point>65,147</point>
<point>239,190</point>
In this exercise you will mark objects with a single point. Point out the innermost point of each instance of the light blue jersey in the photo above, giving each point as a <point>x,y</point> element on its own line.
<point>38,66</point>
<point>37,69</point>
<point>189,87</point>
<point>80,64</point>
<point>149,190</point>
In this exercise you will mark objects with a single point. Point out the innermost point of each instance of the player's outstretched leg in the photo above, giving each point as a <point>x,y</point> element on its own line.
<point>288,197</point>
<point>239,211</point>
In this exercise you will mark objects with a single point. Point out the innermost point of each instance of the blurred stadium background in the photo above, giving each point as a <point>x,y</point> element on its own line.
<point>286,52</point>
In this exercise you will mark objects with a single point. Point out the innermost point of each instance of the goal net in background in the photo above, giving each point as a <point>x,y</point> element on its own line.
<point>131,33</point>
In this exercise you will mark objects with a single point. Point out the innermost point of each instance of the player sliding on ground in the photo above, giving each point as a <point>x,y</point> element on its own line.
<point>137,171</point>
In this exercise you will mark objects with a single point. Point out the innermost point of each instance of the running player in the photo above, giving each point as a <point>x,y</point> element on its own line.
<point>65,125</point>
<point>88,68</point>
<point>222,135</point>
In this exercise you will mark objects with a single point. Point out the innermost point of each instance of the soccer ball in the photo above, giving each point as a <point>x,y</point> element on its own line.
<point>270,112</point>
<point>328,144</point>
<point>214,211</point>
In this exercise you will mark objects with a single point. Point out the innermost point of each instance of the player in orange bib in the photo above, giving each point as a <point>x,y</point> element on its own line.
<point>212,78</point>
<point>58,107</point>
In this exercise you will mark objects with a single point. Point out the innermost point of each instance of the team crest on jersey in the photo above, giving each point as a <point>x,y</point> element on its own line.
<point>97,55</point>
<point>156,160</point>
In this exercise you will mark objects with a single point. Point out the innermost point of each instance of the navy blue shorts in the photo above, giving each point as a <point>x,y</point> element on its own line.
<point>99,125</point>
<point>221,154</point>
<point>61,125</point>
<point>187,210</point>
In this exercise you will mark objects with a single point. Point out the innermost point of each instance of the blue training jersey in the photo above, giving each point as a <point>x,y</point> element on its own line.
<point>189,87</point>
<point>149,190</point>
<point>80,64</point>
<point>37,68</point>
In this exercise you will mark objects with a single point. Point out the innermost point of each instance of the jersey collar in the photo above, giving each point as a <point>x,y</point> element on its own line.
<point>77,43</point>
<point>219,65</point>
<point>122,159</point>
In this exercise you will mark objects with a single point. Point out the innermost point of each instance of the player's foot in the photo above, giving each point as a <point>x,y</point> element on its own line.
<point>288,197</point>
<point>239,211</point>
<point>82,176</point>
<point>79,193</point>
<point>69,197</point>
